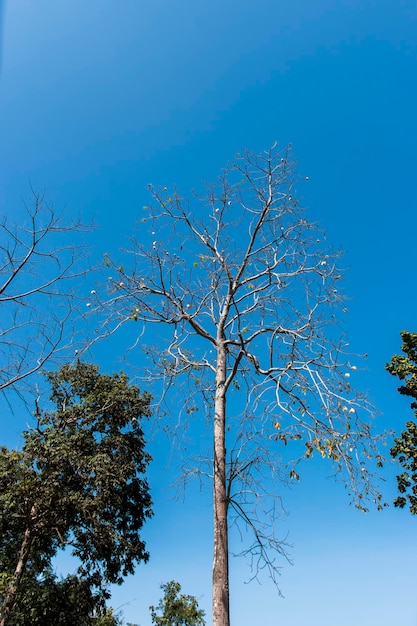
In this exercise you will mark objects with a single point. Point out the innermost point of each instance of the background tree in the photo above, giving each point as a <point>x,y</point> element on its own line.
<point>249,295</point>
<point>40,263</point>
<point>405,447</point>
<point>176,609</point>
<point>78,481</point>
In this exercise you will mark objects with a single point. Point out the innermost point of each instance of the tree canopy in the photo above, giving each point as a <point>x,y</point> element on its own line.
<point>78,481</point>
<point>45,600</point>
<point>176,609</point>
<point>404,366</point>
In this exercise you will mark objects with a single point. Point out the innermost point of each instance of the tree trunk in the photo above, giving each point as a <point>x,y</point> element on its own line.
<point>17,576</point>
<point>221,549</point>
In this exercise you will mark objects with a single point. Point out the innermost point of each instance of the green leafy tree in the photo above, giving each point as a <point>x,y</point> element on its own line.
<point>47,601</point>
<point>249,295</point>
<point>404,366</point>
<point>176,609</point>
<point>79,481</point>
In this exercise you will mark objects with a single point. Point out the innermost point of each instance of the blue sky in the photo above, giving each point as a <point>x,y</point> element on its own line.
<point>99,98</point>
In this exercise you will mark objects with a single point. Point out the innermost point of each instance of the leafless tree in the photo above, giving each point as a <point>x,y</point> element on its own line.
<point>40,263</point>
<point>249,296</point>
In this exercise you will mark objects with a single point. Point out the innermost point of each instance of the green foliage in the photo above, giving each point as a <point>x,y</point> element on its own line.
<point>78,481</point>
<point>48,601</point>
<point>175,609</point>
<point>405,447</point>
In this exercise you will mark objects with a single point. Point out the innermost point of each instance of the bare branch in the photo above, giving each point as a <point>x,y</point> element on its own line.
<point>40,264</point>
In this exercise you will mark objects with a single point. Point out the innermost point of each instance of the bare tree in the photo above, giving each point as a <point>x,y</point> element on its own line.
<point>249,296</point>
<point>40,263</point>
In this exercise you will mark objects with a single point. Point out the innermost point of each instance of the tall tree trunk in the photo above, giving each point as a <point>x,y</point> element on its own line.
<point>17,576</point>
<point>221,615</point>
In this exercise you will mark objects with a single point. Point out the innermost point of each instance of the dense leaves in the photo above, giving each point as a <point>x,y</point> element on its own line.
<point>47,601</point>
<point>176,609</point>
<point>78,481</point>
<point>405,447</point>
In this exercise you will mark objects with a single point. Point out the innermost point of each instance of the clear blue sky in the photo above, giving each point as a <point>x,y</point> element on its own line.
<point>99,98</point>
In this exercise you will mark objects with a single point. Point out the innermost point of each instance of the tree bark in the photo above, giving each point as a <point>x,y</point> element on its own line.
<point>221,615</point>
<point>17,576</point>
